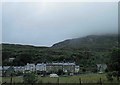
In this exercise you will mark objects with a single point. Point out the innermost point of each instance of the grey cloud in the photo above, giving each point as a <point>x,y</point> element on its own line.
<point>45,24</point>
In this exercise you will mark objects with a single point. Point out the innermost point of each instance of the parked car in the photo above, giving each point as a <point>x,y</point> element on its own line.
<point>42,75</point>
<point>53,75</point>
<point>100,72</point>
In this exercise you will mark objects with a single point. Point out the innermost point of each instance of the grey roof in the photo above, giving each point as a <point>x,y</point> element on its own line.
<point>30,64</point>
<point>5,67</point>
<point>68,63</point>
<point>60,63</point>
<point>41,64</point>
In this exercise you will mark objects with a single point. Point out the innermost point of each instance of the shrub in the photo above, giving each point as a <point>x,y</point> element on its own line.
<point>60,72</point>
<point>106,70</point>
<point>30,77</point>
<point>114,73</point>
<point>18,73</point>
<point>83,70</point>
<point>109,76</point>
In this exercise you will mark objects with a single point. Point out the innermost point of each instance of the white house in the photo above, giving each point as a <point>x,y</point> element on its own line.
<point>101,67</point>
<point>30,67</point>
<point>19,68</point>
<point>5,68</point>
<point>77,68</point>
<point>41,67</point>
<point>48,67</point>
<point>69,67</point>
<point>11,59</point>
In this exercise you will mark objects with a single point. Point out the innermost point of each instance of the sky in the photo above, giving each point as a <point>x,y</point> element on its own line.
<point>46,23</point>
<point>0,23</point>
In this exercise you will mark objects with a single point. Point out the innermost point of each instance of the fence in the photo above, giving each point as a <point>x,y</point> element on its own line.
<point>100,82</point>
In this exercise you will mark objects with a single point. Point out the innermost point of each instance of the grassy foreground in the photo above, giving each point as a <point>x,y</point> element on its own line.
<point>85,78</point>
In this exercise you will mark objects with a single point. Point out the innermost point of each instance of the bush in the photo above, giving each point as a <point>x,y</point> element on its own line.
<point>106,70</point>
<point>60,72</point>
<point>83,70</point>
<point>114,73</point>
<point>18,73</point>
<point>94,70</point>
<point>30,77</point>
<point>109,76</point>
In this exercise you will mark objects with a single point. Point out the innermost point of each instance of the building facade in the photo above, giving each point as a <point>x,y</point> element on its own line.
<point>46,67</point>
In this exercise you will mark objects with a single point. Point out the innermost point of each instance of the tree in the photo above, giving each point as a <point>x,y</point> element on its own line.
<point>115,62</point>
<point>109,76</point>
<point>30,77</point>
<point>60,72</point>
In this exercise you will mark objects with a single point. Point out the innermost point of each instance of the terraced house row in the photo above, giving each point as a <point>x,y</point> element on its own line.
<point>46,67</point>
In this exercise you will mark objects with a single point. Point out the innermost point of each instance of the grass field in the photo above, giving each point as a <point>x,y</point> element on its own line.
<point>85,78</point>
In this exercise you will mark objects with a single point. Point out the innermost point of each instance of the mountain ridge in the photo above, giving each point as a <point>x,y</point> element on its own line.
<point>90,41</point>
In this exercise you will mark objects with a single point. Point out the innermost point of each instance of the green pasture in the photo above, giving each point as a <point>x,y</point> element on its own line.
<point>85,78</point>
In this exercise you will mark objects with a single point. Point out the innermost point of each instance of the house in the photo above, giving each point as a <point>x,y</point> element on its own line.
<point>101,68</point>
<point>30,67</point>
<point>65,67</point>
<point>77,68</point>
<point>19,68</point>
<point>69,67</point>
<point>54,67</point>
<point>5,68</point>
<point>11,59</point>
<point>41,67</point>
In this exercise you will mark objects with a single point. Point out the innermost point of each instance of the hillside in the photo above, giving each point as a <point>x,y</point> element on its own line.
<point>91,42</point>
<point>86,51</point>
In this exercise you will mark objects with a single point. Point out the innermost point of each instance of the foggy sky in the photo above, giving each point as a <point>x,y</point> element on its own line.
<point>45,23</point>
